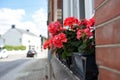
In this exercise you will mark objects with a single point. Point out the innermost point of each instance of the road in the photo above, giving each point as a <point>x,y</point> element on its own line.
<point>18,65</point>
<point>6,67</point>
<point>12,62</point>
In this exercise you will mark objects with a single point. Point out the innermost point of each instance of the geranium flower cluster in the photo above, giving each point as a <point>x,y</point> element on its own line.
<point>58,34</point>
<point>54,28</point>
<point>81,27</point>
<point>57,38</point>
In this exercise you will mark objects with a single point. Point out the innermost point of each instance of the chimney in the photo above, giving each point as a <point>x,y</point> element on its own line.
<point>13,26</point>
<point>27,30</point>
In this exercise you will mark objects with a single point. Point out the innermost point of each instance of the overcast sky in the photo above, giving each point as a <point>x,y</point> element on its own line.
<point>25,14</point>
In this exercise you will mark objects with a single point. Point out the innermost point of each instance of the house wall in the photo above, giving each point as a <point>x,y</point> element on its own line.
<point>12,37</point>
<point>107,35</point>
<point>50,11</point>
<point>1,42</point>
<point>31,41</point>
<point>54,10</point>
<point>59,10</point>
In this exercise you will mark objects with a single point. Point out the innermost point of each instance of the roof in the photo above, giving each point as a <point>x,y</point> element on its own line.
<point>24,32</point>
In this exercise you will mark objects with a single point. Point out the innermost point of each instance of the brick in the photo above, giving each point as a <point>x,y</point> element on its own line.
<point>107,11</point>
<point>50,11</point>
<point>109,33</point>
<point>59,2</point>
<point>108,56</point>
<point>108,75</point>
<point>98,2</point>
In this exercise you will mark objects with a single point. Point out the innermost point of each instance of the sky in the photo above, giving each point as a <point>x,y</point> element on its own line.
<point>24,14</point>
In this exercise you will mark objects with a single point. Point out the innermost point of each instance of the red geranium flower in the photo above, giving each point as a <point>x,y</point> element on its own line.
<point>54,28</point>
<point>92,21</point>
<point>89,23</point>
<point>59,39</point>
<point>48,44</point>
<point>79,34</point>
<point>70,21</point>
<point>88,32</point>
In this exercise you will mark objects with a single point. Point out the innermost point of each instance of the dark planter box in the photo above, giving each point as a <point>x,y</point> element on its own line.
<point>84,66</point>
<point>61,71</point>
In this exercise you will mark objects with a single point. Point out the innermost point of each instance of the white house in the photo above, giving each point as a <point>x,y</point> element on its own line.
<point>17,37</point>
<point>1,43</point>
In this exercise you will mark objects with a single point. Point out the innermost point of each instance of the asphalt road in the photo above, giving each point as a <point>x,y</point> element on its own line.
<point>18,65</point>
<point>7,66</point>
<point>13,61</point>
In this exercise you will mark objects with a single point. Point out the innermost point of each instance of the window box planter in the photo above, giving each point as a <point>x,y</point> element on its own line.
<point>84,66</point>
<point>61,71</point>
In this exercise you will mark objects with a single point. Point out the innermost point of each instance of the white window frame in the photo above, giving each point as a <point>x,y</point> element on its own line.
<point>89,9</point>
<point>68,6</point>
<point>66,9</point>
<point>75,6</point>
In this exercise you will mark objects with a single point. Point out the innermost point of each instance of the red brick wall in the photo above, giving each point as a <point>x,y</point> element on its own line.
<point>108,38</point>
<point>50,11</point>
<point>59,4</point>
<point>51,7</point>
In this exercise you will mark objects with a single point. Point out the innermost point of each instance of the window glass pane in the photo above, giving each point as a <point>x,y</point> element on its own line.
<point>93,6</point>
<point>70,8</point>
<point>82,8</point>
<point>75,10</point>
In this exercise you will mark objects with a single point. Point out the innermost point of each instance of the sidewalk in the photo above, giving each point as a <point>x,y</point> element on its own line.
<point>33,71</point>
<point>42,54</point>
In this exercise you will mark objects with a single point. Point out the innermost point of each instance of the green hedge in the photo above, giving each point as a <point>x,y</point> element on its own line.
<point>9,47</point>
